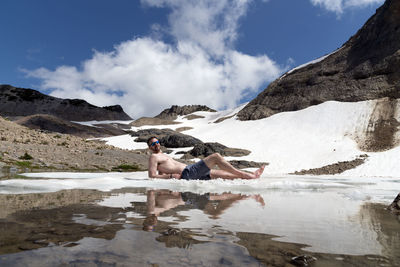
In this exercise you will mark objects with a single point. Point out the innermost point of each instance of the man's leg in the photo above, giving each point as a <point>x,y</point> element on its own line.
<point>215,174</point>
<point>230,172</point>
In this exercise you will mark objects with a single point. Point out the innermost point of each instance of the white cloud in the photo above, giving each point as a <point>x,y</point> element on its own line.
<point>338,6</point>
<point>146,74</point>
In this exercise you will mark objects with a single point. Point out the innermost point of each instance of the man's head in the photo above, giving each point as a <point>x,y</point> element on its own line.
<point>150,223</point>
<point>154,144</point>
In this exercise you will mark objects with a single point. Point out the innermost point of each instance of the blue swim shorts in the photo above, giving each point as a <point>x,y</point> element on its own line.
<point>197,171</point>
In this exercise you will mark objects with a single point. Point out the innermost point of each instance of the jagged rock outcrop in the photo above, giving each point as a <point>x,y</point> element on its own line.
<point>54,124</point>
<point>16,102</point>
<point>173,112</point>
<point>366,67</point>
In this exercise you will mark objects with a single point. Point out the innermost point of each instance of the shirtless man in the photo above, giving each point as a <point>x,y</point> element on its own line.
<point>163,166</point>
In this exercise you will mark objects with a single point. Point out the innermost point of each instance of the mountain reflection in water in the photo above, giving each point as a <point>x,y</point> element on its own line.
<point>139,227</point>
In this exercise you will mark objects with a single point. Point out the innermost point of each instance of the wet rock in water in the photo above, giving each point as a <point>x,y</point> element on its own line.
<point>170,232</point>
<point>303,260</point>
<point>395,206</point>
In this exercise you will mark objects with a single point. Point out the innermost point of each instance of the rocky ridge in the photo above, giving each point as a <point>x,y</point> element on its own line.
<point>53,124</point>
<point>173,112</point>
<point>366,67</point>
<point>16,102</point>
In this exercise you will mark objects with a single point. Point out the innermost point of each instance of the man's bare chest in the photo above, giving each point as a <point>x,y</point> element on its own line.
<point>164,160</point>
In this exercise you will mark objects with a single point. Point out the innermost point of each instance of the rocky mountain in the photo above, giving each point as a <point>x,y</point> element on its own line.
<point>173,112</point>
<point>15,102</point>
<point>53,124</point>
<point>366,67</point>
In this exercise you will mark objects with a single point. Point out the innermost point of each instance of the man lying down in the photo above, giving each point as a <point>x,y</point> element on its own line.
<point>164,167</point>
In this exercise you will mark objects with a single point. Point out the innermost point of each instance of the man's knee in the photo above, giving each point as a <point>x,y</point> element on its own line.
<point>216,155</point>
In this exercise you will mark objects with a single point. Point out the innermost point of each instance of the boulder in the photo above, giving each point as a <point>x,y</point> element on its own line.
<point>179,140</point>
<point>167,137</point>
<point>206,149</point>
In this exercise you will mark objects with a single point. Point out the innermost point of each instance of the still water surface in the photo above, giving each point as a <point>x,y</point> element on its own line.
<point>163,227</point>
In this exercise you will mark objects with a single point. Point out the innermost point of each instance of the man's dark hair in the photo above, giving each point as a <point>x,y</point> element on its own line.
<point>148,140</point>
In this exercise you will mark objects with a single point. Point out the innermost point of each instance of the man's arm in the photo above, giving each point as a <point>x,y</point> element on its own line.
<point>153,173</point>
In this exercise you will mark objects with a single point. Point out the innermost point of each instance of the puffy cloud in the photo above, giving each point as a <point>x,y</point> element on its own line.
<point>338,6</point>
<point>146,74</point>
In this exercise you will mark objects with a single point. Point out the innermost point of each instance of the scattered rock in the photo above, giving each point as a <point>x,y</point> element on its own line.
<point>224,118</point>
<point>182,129</point>
<point>335,168</point>
<point>193,117</point>
<point>152,121</point>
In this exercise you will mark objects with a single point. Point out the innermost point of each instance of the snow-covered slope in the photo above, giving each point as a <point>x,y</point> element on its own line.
<point>291,141</point>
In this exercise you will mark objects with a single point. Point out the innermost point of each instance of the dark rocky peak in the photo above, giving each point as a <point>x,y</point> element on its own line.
<point>366,67</point>
<point>379,37</point>
<point>173,112</point>
<point>115,108</point>
<point>17,102</point>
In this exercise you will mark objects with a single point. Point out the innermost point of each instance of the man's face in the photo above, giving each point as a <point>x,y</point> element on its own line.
<point>154,145</point>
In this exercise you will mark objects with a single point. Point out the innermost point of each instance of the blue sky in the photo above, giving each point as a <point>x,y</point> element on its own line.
<point>150,54</point>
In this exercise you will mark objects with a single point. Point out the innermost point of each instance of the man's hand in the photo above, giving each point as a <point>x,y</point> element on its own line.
<point>176,176</point>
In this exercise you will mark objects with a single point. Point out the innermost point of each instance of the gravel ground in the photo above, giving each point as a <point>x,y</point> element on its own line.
<point>61,151</point>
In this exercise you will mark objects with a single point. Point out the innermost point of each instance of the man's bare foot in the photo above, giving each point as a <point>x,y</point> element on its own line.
<point>258,172</point>
<point>254,175</point>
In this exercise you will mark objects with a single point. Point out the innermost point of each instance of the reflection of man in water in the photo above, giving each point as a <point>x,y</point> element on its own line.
<point>159,201</point>
<point>163,166</point>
